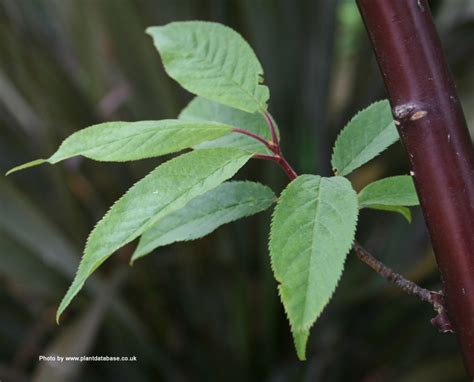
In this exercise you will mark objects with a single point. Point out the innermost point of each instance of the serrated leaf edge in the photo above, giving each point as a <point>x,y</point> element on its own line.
<point>63,306</point>
<point>368,205</point>
<point>56,158</point>
<point>338,138</point>
<point>261,106</point>
<point>270,201</point>
<point>307,327</point>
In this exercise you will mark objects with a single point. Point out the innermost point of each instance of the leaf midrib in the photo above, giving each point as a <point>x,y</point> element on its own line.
<point>254,201</point>
<point>313,240</point>
<point>150,222</point>
<point>223,74</point>
<point>172,130</point>
<point>354,159</point>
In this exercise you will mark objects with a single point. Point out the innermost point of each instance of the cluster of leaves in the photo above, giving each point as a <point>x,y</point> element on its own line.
<point>314,222</point>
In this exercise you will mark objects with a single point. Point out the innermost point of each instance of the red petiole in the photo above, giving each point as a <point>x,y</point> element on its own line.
<point>273,146</point>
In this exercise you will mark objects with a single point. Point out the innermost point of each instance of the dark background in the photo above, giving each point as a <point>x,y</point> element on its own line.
<point>206,310</point>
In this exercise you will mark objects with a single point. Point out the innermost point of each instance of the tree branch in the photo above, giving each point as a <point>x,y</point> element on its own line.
<point>434,132</point>
<point>436,299</point>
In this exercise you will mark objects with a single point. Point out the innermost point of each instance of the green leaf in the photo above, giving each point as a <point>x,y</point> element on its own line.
<point>390,194</point>
<point>312,231</point>
<point>369,133</point>
<point>393,191</point>
<point>226,203</point>
<point>201,109</point>
<point>212,61</point>
<point>165,190</point>
<point>125,141</point>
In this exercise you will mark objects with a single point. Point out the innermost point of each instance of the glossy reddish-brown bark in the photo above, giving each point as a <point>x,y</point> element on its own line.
<point>435,135</point>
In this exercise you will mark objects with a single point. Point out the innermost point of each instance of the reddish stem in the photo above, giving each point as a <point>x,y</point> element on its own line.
<point>273,146</point>
<point>287,168</point>
<point>254,136</point>
<point>282,162</point>
<point>272,158</point>
<point>271,126</point>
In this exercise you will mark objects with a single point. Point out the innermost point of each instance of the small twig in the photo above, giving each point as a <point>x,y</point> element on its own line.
<point>441,321</point>
<point>387,273</point>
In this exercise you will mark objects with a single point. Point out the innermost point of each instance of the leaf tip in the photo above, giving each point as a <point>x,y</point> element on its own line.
<point>24,166</point>
<point>137,254</point>
<point>149,30</point>
<point>300,338</point>
<point>59,312</point>
<point>406,213</point>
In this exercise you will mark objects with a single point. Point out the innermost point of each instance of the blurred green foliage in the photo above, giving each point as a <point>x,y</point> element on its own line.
<point>205,310</point>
